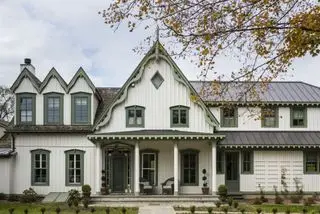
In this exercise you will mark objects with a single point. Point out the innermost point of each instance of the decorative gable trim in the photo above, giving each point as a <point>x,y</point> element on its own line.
<point>25,73</point>
<point>53,73</point>
<point>156,52</point>
<point>80,74</point>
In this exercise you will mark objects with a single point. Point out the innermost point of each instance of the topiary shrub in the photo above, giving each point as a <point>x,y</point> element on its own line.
<point>43,210</point>
<point>86,190</point>
<point>209,209</point>
<point>192,209</point>
<point>77,211</point>
<point>123,210</point>
<point>222,192</point>
<point>288,211</point>
<point>230,201</point>
<point>74,197</point>
<point>107,210</point>
<point>274,210</point>
<point>11,210</point>
<point>235,204</point>
<point>92,210</point>
<point>258,210</point>
<point>85,203</point>
<point>58,210</point>
<point>218,204</point>
<point>29,196</point>
<point>304,210</point>
<point>242,210</point>
<point>225,210</point>
<point>26,211</point>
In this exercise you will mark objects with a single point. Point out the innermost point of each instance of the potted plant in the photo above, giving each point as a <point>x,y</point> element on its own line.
<point>103,184</point>
<point>205,188</point>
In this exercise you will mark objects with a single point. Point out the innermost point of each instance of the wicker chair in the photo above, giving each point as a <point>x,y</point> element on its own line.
<point>168,186</point>
<point>146,187</point>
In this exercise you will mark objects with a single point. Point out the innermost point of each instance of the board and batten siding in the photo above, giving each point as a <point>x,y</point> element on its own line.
<point>157,102</point>
<point>6,175</point>
<point>57,144</point>
<point>248,120</point>
<point>54,86</point>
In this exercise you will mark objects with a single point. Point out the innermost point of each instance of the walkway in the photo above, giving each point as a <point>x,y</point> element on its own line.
<point>156,210</point>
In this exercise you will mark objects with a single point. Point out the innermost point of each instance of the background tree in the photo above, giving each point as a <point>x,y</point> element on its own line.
<point>6,103</point>
<point>265,36</point>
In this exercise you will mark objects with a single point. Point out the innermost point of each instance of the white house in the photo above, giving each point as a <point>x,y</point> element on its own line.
<point>157,126</point>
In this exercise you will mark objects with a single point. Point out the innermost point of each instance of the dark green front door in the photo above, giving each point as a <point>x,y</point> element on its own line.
<point>232,172</point>
<point>118,173</point>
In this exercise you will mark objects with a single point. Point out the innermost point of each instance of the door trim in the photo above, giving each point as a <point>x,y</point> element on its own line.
<point>237,182</point>
<point>125,172</point>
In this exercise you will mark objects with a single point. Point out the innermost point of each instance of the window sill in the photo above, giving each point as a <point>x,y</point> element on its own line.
<point>40,184</point>
<point>73,185</point>
<point>189,185</point>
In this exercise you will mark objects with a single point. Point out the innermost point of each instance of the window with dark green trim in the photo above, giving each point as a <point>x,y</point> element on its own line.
<point>81,108</point>
<point>149,165</point>
<point>26,108</point>
<point>135,116</point>
<point>220,162</point>
<point>269,117</point>
<point>179,116</point>
<point>74,167</point>
<point>311,162</point>
<point>189,167</point>
<point>229,117</point>
<point>247,162</point>
<point>53,108</point>
<point>298,117</point>
<point>40,162</point>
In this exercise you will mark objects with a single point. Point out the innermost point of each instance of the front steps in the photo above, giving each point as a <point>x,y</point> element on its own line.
<point>153,200</point>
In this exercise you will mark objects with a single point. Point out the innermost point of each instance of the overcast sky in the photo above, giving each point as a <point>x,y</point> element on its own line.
<point>67,34</point>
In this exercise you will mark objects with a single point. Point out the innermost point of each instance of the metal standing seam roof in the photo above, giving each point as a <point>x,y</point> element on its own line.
<point>270,139</point>
<point>277,91</point>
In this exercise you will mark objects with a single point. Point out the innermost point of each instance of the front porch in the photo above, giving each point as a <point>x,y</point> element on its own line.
<point>139,162</point>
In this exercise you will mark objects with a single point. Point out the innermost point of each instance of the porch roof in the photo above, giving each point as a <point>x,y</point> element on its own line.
<point>270,139</point>
<point>155,135</point>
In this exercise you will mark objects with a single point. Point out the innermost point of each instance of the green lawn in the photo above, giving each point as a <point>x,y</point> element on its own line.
<point>50,209</point>
<point>266,208</point>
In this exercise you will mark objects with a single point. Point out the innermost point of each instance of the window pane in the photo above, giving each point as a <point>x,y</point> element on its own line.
<point>175,116</point>
<point>81,109</point>
<point>311,162</point>
<point>26,109</point>
<point>183,116</point>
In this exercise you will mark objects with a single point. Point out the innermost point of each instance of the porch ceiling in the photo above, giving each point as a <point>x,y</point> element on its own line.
<point>156,135</point>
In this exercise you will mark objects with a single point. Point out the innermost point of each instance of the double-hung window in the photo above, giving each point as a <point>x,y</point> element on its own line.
<point>149,166</point>
<point>26,103</point>
<point>53,108</point>
<point>269,117</point>
<point>311,162</point>
<point>179,116</point>
<point>81,108</point>
<point>247,162</point>
<point>189,167</point>
<point>220,162</point>
<point>229,117</point>
<point>298,117</point>
<point>74,167</point>
<point>135,116</point>
<point>40,167</point>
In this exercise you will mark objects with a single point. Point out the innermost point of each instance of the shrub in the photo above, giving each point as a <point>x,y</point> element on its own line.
<point>58,210</point>
<point>13,198</point>
<point>77,210</point>
<point>278,200</point>
<point>76,203</point>
<point>230,201</point>
<point>242,210</point>
<point>92,210</point>
<point>43,210</point>
<point>192,209</point>
<point>236,204</point>
<point>274,210</point>
<point>262,195</point>
<point>225,210</point>
<point>26,211</point>
<point>2,196</point>
<point>123,210</point>
<point>107,210</point>
<point>222,192</point>
<point>308,201</point>
<point>288,211</point>
<point>209,209</point>
<point>295,199</point>
<point>258,210</point>
<point>86,190</point>
<point>85,202</point>
<point>11,210</point>
<point>69,203</point>
<point>29,196</point>
<point>304,210</point>
<point>257,201</point>
<point>218,204</point>
<point>74,195</point>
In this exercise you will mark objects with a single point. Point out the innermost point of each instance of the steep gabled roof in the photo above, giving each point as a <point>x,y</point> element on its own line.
<point>157,51</point>
<point>80,73</point>
<point>276,92</point>
<point>25,73</point>
<point>53,73</point>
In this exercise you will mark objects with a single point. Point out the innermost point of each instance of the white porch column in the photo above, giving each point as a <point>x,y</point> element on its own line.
<point>136,169</point>
<point>214,167</point>
<point>176,168</point>
<point>98,167</point>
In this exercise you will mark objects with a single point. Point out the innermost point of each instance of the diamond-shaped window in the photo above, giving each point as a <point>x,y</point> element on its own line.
<point>157,80</point>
